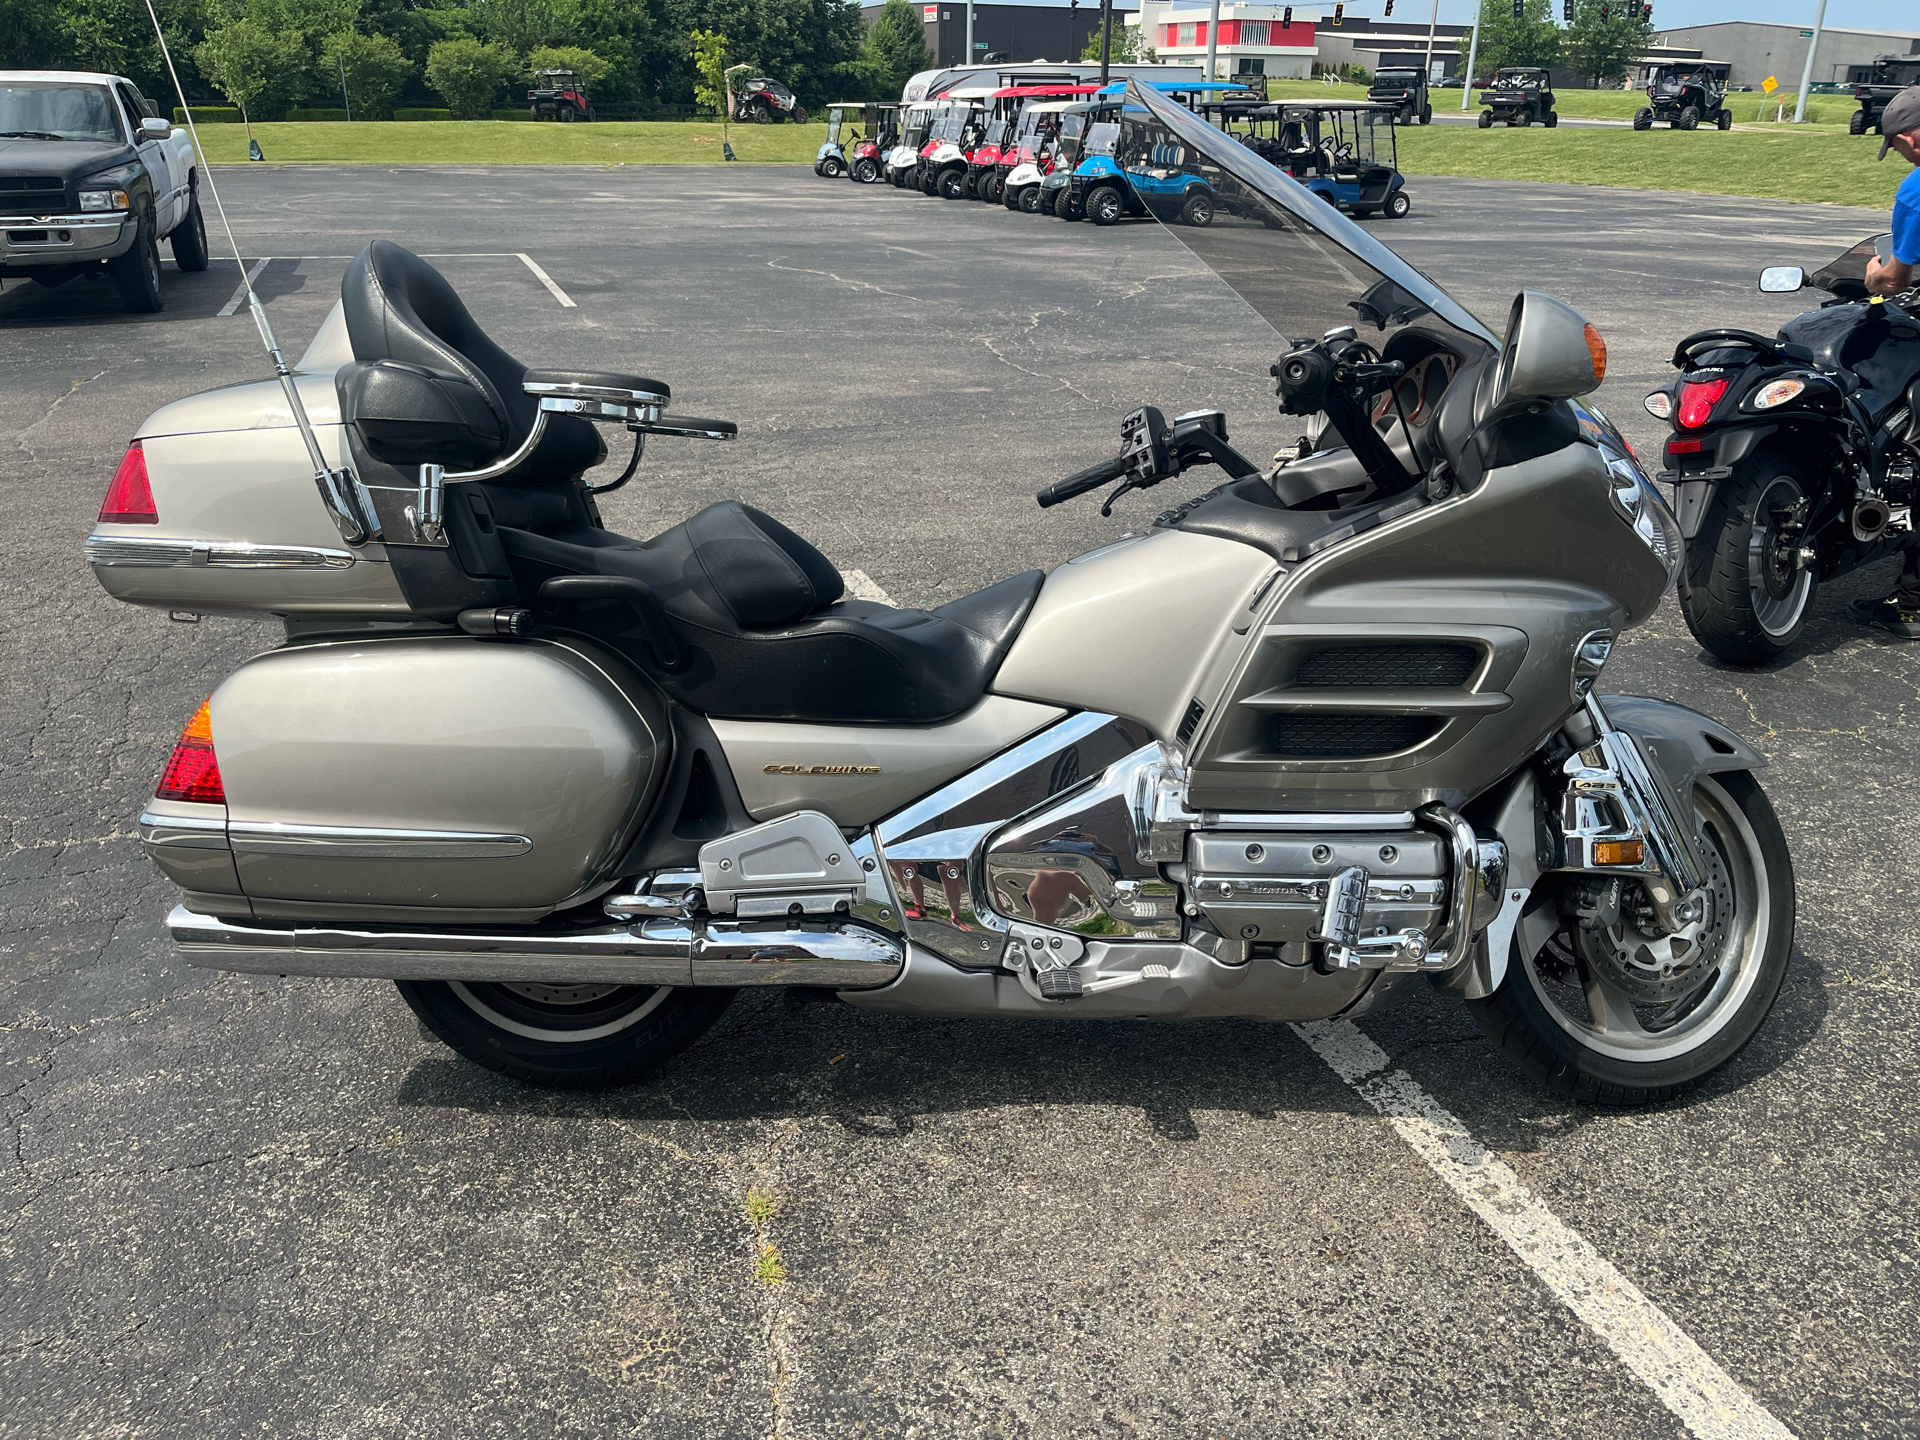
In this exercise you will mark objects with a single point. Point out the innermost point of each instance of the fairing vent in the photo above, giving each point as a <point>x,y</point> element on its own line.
<point>1336,735</point>
<point>1388,666</point>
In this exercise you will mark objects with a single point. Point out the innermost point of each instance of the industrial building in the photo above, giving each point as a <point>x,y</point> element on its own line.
<point>1757,51</point>
<point>1014,33</point>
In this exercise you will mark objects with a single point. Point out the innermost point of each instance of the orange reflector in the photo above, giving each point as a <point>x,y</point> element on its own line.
<point>192,772</point>
<point>1597,348</point>
<point>1619,852</point>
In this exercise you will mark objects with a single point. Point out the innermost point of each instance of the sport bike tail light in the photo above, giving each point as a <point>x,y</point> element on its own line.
<point>192,772</point>
<point>129,498</point>
<point>1697,399</point>
<point>1659,405</point>
<point>1777,392</point>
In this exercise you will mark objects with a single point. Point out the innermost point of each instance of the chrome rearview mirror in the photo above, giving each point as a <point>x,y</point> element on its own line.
<point>153,128</point>
<point>1782,279</point>
<point>1551,354</point>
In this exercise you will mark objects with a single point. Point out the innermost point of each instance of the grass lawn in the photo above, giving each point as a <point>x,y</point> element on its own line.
<point>1777,163</point>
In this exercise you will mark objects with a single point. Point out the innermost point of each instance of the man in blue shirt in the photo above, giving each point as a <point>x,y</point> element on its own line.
<point>1899,613</point>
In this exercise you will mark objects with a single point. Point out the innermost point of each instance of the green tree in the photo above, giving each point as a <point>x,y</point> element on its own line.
<point>802,42</point>
<point>524,25</point>
<point>1127,47</point>
<point>248,63</point>
<point>1533,39</point>
<point>588,66</point>
<point>896,48</point>
<point>468,74</point>
<point>710,89</point>
<point>374,70</point>
<point>1605,49</point>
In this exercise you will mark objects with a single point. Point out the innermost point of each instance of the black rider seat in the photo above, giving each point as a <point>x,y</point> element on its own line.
<point>763,626</point>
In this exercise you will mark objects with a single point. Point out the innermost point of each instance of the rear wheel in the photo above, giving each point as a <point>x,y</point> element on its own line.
<point>189,238</point>
<point>136,274</point>
<point>1689,118</point>
<point>1857,123</point>
<point>1526,118</point>
<point>1743,591</point>
<point>1198,211</point>
<point>1622,1015</point>
<point>565,1037</point>
<point>758,114</point>
<point>1643,118</point>
<point>1486,119</point>
<point>1399,205</point>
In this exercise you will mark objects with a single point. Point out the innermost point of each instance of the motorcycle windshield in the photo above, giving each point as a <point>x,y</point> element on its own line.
<point>1303,266</point>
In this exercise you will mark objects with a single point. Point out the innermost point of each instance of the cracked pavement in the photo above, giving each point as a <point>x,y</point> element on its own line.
<point>241,1205</point>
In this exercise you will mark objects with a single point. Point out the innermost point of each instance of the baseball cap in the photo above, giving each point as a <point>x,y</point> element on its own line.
<point>1901,115</point>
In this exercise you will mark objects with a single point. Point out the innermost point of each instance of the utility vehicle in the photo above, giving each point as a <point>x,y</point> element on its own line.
<point>1519,95</point>
<point>1874,85</point>
<point>559,95</point>
<point>762,100</point>
<point>1686,94</point>
<point>1406,91</point>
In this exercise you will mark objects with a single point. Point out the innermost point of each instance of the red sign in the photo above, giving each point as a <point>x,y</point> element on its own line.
<point>930,12</point>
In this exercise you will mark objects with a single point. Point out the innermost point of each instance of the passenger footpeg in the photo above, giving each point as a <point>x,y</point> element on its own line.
<point>1339,930</point>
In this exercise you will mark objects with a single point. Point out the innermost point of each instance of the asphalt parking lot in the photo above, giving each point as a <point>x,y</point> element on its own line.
<point>236,1205</point>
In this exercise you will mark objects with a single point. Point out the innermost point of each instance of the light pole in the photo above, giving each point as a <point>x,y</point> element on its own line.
<point>1106,38</point>
<point>1806,75</point>
<point>1473,58</point>
<point>1213,35</point>
<point>1433,25</point>
<point>969,59</point>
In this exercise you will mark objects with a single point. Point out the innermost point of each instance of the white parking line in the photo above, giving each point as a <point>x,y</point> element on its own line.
<point>240,294</point>
<point>1707,1400</point>
<point>547,280</point>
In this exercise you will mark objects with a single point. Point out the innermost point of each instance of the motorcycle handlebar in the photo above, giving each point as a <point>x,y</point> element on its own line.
<point>1078,483</point>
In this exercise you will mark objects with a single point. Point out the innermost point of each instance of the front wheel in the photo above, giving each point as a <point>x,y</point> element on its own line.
<point>1723,121</point>
<point>136,274</point>
<point>1620,1014</point>
<point>1105,207</point>
<point>1551,120</point>
<point>830,167</point>
<point>189,237</point>
<point>1030,199</point>
<point>865,171</point>
<point>1643,118</point>
<point>1426,114</point>
<point>952,184</point>
<point>1745,589</point>
<point>1399,205</point>
<point>565,1037</point>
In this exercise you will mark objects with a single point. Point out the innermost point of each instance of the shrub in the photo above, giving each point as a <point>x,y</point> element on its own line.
<point>524,113</point>
<point>209,115</point>
<point>469,74</point>
<point>423,113</point>
<point>309,115</point>
<point>374,69</point>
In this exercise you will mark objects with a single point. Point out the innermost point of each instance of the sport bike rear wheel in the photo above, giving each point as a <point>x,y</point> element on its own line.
<point>565,1037</point>
<point>1744,591</point>
<point>1621,1015</point>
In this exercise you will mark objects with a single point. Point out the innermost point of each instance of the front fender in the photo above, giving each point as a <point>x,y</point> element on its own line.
<point>1683,743</point>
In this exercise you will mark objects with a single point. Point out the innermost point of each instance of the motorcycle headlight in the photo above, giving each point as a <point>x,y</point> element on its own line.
<point>1776,392</point>
<point>1635,499</point>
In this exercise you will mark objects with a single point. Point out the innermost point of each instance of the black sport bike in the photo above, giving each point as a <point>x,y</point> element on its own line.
<point>1793,458</point>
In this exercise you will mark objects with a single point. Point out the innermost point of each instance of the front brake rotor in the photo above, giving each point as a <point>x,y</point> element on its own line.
<point>1653,968</point>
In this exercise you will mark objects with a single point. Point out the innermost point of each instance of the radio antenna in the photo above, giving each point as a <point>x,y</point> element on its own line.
<point>339,489</point>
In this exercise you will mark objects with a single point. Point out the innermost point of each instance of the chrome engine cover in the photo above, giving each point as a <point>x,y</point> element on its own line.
<point>1271,888</point>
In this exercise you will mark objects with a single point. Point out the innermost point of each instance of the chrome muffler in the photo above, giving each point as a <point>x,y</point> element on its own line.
<point>652,952</point>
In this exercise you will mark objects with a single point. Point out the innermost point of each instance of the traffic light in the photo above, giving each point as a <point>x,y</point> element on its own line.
<point>1339,13</point>
<point>1389,9</point>
<point>1519,9</point>
<point>1286,18</point>
<point>1646,14</point>
<point>1605,11</point>
<point>1567,12</point>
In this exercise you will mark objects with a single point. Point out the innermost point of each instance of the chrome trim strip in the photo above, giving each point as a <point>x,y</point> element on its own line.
<point>86,219</point>
<point>658,952</point>
<point>164,552</point>
<point>342,842</point>
<point>1306,820</point>
<point>184,832</point>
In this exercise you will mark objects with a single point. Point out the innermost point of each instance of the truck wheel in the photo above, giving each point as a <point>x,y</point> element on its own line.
<point>1724,120</point>
<point>1742,592</point>
<point>1857,123</point>
<point>189,238</point>
<point>1689,119</point>
<point>1643,118</point>
<point>136,274</point>
<point>1399,205</point>
<point>1197,212</point>
<point>1486,119</point>
<point>565,1037</point>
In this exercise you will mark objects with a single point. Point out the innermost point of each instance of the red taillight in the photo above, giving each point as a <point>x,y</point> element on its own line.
<point>192,772</point>
<point>129,498</point>
<point>1697,399</point>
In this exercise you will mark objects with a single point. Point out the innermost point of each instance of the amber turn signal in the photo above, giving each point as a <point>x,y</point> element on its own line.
<point>1597,348</point>
<point>1619,852</point>
<point>192,772</point>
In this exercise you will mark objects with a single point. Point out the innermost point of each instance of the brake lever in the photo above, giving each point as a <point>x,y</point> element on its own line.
<point>1132,482</point>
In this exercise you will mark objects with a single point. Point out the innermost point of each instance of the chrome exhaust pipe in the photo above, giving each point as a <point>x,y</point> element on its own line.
<point>653,952</point>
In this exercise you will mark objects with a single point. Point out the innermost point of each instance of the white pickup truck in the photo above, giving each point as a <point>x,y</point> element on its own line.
<point>92,178</point>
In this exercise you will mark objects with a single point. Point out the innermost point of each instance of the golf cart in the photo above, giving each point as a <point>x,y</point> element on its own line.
<point>1087,133</point>
<point>1406,91</point>
<point>855,133</point>
<point>902,164</point>
<point>559,95</point>
<point>1034,148</point>
<point>1097,186</point>
<point>943,168</point>
<point>1874,85</point>
<point>762,100</point>
<point>1684,95</point>
<point>1343,151</point>
<point>1519,95</point>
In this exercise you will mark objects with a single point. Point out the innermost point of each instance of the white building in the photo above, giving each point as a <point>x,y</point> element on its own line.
<point>1254,39</point>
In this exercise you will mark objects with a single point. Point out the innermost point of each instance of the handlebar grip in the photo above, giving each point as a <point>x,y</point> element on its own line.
<point>1081,481</point>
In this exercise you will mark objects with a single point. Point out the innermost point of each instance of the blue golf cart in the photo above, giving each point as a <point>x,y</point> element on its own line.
<point>1105,189</point>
